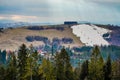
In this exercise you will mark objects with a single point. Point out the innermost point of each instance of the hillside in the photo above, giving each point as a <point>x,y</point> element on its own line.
<point>63,35</point>
<point>11,39</point>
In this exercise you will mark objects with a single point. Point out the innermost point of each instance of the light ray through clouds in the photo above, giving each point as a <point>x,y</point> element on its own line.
<point>98,11</point>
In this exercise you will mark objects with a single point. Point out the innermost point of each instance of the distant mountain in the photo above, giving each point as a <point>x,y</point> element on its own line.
<point>20,24</point>
<point>16,24</point>
<point>84,22</point>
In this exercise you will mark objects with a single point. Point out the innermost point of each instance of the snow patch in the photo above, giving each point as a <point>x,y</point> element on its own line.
<point>90,35</point>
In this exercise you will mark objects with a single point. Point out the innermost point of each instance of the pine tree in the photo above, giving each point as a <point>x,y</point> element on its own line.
<point>31,64</point>
<point>63,67</point>
<point>116,70</point>
<point>84,70</point>
<point>108,68</point>
<point>77,72</point>
<point>2,72</point>
<point>60,75</point>
<point>35,65</point>
<point>11,72</point>
<point>22,61</point>
<point>28,68</point>
<point>96,65</point>
<point>100,68</point>
<point>47,70</point>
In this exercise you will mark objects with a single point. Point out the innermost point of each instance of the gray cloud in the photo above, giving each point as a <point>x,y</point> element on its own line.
<point>105,1</point>
<point>112,3</point>
<point>60,10</point>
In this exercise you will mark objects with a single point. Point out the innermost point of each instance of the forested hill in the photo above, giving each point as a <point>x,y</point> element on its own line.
<point>27,63</point>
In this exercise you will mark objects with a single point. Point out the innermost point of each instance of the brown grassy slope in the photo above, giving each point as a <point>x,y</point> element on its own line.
<point>11,39</point>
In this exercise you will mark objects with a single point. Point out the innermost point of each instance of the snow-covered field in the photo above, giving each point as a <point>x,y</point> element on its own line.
<point>90,34</point>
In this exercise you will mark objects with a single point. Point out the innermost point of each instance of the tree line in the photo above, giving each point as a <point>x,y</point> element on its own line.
<point>27,64</point>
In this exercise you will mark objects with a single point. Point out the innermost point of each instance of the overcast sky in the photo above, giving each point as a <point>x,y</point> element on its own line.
<point>99,11</point>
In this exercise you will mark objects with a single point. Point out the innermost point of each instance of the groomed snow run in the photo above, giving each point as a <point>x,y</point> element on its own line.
<point>90,35</point>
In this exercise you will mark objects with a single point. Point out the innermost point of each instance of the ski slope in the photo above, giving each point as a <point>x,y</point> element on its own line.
<point>90,35</point>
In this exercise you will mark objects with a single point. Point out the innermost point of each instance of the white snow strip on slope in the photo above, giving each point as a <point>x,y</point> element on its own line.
<point>90,34</point>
